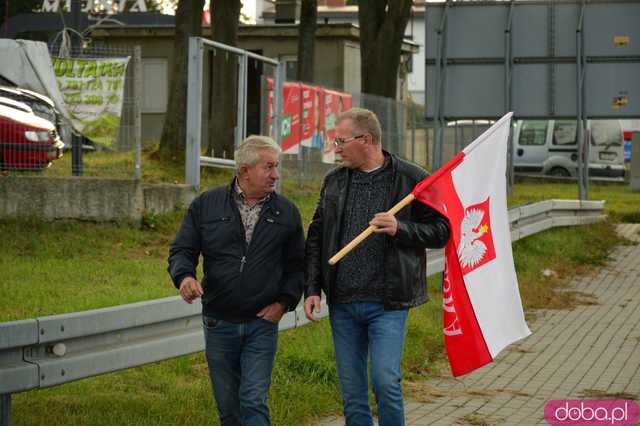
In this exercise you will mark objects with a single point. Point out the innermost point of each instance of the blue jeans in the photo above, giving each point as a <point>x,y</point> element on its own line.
<point>240,358</point>
<point>361,330</point>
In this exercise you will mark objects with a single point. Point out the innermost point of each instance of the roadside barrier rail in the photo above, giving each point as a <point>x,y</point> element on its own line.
<point>52,350</point>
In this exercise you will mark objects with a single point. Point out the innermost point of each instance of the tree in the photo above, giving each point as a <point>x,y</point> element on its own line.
<point>225,15</point>
<point>307,39</point>
<point>188,24</point>
<point>382,27</point>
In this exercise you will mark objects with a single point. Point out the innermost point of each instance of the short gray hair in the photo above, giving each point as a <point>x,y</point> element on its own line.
<point>248,152</point>
<point>364,121</point>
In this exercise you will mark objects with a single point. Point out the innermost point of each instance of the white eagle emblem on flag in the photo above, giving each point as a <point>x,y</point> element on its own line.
<point>471,249</point>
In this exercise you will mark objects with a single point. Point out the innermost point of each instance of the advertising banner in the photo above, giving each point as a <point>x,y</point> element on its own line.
<point>93,93</point>
<point>309,115</point>
<point>291,118</point>
<point>334,104</point>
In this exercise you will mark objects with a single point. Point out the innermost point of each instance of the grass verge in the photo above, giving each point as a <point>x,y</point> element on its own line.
<point>622,205</point>
<point>305,384</point>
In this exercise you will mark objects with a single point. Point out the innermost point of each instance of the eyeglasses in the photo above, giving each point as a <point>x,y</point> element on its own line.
<point>339,142</point>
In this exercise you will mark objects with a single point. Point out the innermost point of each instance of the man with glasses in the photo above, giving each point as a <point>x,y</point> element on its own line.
<point>370,290</point>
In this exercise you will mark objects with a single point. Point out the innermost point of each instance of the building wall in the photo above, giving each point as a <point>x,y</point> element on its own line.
<point>351,68</point>
<point>157,63</point>
<point>329,63</point>
<point>337,62</point>
<point>415,32</point>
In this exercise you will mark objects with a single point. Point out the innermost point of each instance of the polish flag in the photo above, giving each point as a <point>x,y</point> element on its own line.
<point>482,310</point>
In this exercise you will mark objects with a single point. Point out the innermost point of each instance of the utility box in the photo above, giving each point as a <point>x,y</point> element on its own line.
<point>634,181</point>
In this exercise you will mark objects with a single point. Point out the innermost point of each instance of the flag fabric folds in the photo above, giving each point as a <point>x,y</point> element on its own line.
<point>482,310</point>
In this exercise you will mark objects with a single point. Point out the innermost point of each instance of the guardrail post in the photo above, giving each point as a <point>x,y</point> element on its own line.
<point>5,409</point>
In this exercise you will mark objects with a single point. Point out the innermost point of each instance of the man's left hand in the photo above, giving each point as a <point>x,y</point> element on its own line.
<point>385,223</point>
<point>272,312</point>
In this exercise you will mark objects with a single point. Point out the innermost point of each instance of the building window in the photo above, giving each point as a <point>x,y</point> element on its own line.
<point>154,85</point>
<point>291,67</point>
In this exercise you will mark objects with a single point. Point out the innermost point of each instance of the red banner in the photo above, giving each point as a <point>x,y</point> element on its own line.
<point>335,103</point>
<point>309,115</point>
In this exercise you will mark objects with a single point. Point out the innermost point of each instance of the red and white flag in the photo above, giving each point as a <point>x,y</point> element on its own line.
<point>482,310</point>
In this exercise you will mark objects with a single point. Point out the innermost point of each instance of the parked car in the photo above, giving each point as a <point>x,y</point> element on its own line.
<point>550,147</point>
<point>44,107</point>
<point>27,142</point>
<point>41,105</point>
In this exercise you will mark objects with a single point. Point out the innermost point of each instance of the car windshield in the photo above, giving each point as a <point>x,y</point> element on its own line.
<point>606,132</point>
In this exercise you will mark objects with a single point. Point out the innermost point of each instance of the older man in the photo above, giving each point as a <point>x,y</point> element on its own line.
<point>252,243</point>
<point>370,290</point>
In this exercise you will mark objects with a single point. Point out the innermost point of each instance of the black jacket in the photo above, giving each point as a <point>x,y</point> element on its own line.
<point>240,280</point>
<point>419,227</point>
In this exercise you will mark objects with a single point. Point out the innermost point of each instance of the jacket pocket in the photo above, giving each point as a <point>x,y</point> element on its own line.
<point>274,233</point>
<point>217,233</point>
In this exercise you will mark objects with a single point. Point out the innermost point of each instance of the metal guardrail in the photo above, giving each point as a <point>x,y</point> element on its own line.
<point>533,218</point>
<point>217,162</point>
<point>547,178</point>
<point>47,351</point>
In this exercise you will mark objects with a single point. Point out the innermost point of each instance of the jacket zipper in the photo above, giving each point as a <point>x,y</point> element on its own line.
<point>241,230</point>
<point>245,252</point>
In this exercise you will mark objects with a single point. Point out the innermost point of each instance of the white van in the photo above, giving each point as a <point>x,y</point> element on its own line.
<point>549,147</point>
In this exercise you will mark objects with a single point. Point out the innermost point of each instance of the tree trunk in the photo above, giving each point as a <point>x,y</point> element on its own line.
<point>188,24</point>
<point>224,79</point>
<point>307,40</point>
<point>382,27</point>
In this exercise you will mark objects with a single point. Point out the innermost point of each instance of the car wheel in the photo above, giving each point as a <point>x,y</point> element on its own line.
<point>559,171</point>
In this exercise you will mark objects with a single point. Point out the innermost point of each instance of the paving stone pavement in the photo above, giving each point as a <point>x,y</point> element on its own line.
<point>592,351</point>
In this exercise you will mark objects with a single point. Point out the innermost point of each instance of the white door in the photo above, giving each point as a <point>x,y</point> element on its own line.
<point>606,151</point>
<point>530,149</point>
<point>563,149</point>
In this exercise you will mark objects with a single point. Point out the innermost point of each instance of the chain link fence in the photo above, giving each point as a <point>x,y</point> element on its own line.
<point>405,133</point>
<point>101,85</point>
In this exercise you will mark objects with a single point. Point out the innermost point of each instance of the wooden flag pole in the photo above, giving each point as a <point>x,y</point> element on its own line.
<point>364,234</point>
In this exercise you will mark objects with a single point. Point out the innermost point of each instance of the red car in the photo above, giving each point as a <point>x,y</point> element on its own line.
<point>27,142</point>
